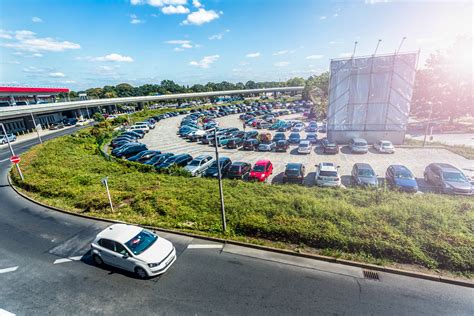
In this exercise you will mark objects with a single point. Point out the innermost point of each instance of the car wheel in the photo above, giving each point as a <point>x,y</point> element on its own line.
<point>141,273</point>
<point>97,260</point>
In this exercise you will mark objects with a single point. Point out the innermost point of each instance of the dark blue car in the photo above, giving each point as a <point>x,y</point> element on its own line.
<point>401,178</point>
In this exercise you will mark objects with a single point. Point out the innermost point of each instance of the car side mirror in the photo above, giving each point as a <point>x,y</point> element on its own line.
<point>125,256</point>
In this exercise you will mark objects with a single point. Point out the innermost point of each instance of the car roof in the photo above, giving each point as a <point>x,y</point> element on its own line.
<point>262,162</point>
<point>358,139</point>
<point>120,232</point>
<point>294,165</point>
<point>201,157</point>
<point>304,142</point>
<point>363,165</point>
<point>399,167</point>
<point>446,167</point>
<point>239,163</point>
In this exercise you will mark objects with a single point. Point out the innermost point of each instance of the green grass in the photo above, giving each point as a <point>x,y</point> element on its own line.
<point>431,231</point>
<point>465,151</point>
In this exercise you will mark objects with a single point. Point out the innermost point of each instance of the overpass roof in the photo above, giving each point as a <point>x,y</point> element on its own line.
<point>22,91</point>
<point>18,111</point>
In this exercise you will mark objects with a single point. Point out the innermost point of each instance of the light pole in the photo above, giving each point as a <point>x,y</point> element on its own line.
<point>12,152</point>
<point>219,177</point>
<point>36,128</point>
<point>428,123</point>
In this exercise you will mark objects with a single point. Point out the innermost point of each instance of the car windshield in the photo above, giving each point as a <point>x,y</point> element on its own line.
<point>328,173</point>
<point>404,174</point>
<point>195,163</point>
<point>292,172</point>
<point>303,145</point>
<point>365,173</point>
<point>234,169</point>
<point>360,144</point>
<point>141,242</point>
<point>386,144</point>
<point>454,177</point>
<point>259,168</point>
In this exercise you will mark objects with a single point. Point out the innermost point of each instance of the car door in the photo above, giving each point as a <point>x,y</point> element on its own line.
<point>389,176</point>
<point>269,169</point>
<point>124,258</point>
<point>107,252</point>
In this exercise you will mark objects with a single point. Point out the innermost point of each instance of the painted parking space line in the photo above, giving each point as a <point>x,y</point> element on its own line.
<point>5,313</point>
<point>69,259</point>
<point>205,246</point>
<point>6,270</point>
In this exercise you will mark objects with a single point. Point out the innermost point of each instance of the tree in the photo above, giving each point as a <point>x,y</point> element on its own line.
<point>445,86</point>
<point>317,90</point>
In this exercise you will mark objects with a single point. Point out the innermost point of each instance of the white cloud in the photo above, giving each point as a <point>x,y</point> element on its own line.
<point>335,15</point>
<point>314,56</point>
<point>345,54</point>
<point>37,55</point>
<point>175,9</point>
<point>281,52</point>
<point>158,3</point>
<point>178,49</point>
<point>200,17</point>
<point>244,63</point>
<point>135,19</point>
<point>115,58</point>
<point>205,62</point>
<point>27,41</point>
<point>323,17</point>
<point>427,40</point>
<point>154,15</point>
<point>197,4</point>
<point>36,70</point>
<point>68,81</point>
<point>184,44</point>
<point>376,1</point>
<point>56,75</point>
<point>216,37</point>
<point>36,19</point>
<point>178,42</point>
<point>281,64</point>
<point>13,62</point>
<point>253,55</point>
<point>187,46</point>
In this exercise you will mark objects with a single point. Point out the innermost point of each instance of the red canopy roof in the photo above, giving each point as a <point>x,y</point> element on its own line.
<point>31,90</point>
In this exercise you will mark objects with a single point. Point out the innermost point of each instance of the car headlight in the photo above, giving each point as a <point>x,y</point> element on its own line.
<point>152,265</point>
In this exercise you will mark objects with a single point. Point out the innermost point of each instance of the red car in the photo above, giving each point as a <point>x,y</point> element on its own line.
<point>261,170</point>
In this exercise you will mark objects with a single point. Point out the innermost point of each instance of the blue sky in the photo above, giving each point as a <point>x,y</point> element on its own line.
<point>83,44</point>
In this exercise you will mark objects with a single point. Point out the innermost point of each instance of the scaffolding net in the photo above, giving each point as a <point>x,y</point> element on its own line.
<point>371,93</point>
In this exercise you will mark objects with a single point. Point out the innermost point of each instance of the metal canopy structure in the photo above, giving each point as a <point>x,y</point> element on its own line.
<point>370,97</point>
<point>17,111</point>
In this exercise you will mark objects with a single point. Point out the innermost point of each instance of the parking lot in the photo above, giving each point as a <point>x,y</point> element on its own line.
<point>164,138</point>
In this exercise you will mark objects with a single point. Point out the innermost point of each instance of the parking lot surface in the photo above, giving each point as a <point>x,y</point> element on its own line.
<point>164,138</point>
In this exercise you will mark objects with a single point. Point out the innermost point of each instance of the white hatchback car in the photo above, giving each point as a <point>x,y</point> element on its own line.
<point>327,175</point>
<point>305,147</point>
<point>384,146</point>
<point>133,249</point>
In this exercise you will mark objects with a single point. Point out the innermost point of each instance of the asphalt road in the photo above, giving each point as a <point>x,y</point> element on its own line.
<point>226,280</point>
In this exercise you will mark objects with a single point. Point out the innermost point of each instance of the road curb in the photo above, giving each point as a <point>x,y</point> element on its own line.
<point>361,265</point>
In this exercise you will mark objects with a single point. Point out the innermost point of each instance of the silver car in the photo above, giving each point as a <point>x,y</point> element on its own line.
<point>359,146</point>
<point>199,164</point>
<point>8,138</point>
<point>267,146</point>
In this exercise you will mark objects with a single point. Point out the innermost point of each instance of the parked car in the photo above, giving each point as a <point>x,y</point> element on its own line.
<point>294,172</point>
<point>8,138</point>
<point>134,249</point>
<point>131,150</point>
<point>250,134</point>
<point>267,146</point>
<point>180,160</point>
<point>224,163</point>
<point>329,147</point>
<point>384,146</point>
<point>263,124</point>
<point>282,145</point>
<point>312,127</point>
<point>298,127</point>
<point>261,170</point>
<point>312,138</point>
<point>239,170</point>
<point>364,175</point>
<point>448,179</point>
<point>250,144</point>
<point>234,143</point>
<point>401,178</point>
<point>56,126</point>
<point>358,146</point>
<point>158,159</point>
<point>305,147</point>
<point>279,136</point>
<point>327,175</point>
<point>144,155</point>
<point>294,138</point>
<point>143,127</point>
<point>199,165</point>
<point>136,133</point>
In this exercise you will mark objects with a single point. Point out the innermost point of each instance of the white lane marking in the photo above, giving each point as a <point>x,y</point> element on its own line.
<point>204,246</point>
<point>5,313</point>
<point>8,270</point>
<point>63,260</point>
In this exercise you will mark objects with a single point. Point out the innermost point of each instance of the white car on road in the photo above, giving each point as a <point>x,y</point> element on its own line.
<point>8,138</point>
<point>134,249</point>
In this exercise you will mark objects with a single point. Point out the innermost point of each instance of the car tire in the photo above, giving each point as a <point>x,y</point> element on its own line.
<point>141,273</point>
<point>97,260</point>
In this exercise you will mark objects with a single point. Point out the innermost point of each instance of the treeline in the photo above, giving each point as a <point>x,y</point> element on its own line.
<point>170,87</point>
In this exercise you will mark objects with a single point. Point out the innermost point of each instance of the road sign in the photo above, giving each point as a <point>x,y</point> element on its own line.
<point>15,159</point>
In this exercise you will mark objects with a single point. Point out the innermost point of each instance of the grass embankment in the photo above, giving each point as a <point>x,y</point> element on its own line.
<point>465,151</point>
<point>431,231</point>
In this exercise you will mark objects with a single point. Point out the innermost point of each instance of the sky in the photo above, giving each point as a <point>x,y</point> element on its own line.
<point>83,43</point>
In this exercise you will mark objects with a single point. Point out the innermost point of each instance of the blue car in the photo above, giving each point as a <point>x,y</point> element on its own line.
<point>401,178</point>
<point>294,138</point>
